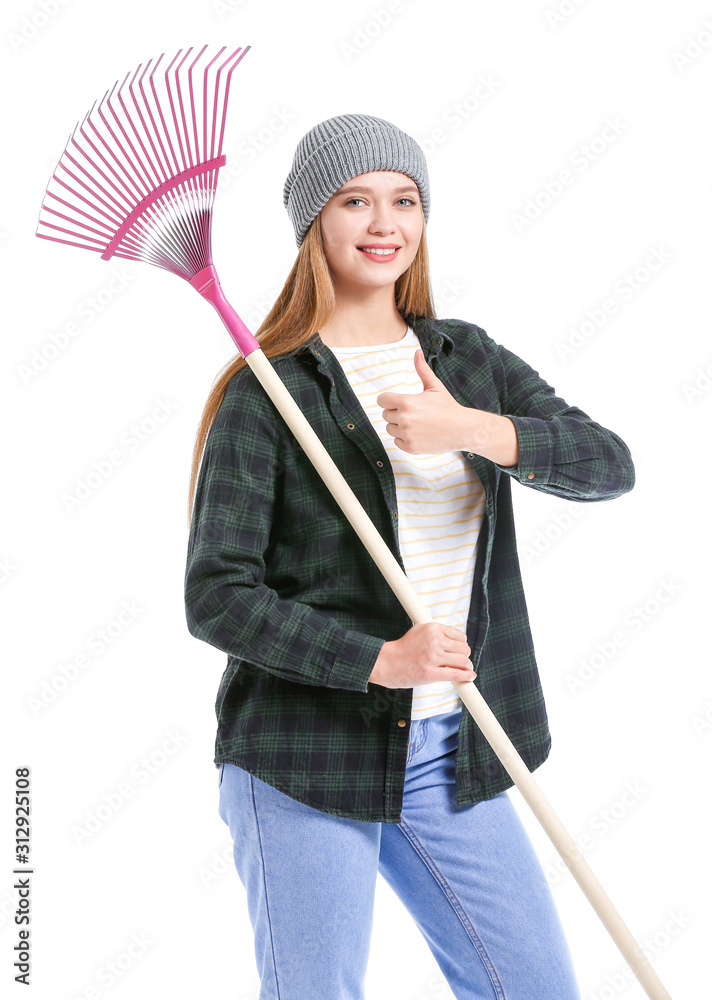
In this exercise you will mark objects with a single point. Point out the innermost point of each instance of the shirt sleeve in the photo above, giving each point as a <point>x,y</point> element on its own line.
<point>227,602</point>
<point>562,450</point>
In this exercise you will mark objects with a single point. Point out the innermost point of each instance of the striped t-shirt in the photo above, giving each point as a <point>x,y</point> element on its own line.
<point>440,503</point>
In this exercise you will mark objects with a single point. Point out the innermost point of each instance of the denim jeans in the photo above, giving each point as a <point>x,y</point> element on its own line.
<point>468,875</point>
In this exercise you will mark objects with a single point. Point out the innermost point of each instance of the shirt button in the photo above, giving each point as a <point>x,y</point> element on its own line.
<point>470,454</point>
<point>379,463</point>
<point>530,476</point>
<point>350,426</point>
<point>317,354</point>
<point>395,515</point>
<point>401,722</point>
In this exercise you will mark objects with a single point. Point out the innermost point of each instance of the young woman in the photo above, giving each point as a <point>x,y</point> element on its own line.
<point>342,747</point>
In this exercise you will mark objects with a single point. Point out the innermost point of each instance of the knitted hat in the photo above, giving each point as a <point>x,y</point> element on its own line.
<point>340,148</point>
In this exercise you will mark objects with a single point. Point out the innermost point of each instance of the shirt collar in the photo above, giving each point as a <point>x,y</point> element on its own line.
<point>430,333</point>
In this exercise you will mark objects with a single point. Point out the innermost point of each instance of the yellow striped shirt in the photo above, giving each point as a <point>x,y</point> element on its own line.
<point>440,503</point>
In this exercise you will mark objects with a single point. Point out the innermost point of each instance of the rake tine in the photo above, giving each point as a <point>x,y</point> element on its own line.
<point>205,104</point>
<point>193,116</point>
<point>147,160</point>
<point>227,93</point>
<point>126,193</point>
<point>194,183</point>
<point>173,110</point>
<point>122,165</point>
<point>133,160</point>
<point>163,163</point>
<point>176,167</point>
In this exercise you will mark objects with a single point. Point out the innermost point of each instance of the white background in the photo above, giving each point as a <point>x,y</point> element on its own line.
<point>159,869</point>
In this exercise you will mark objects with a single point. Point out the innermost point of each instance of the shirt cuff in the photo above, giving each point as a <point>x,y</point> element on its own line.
<point>354,661</point>
<point>536,451</point>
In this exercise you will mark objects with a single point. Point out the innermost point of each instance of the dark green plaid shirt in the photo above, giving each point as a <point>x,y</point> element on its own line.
<point>277,578</point>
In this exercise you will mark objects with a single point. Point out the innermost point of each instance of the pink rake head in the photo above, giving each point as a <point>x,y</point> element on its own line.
<point>138,175</point>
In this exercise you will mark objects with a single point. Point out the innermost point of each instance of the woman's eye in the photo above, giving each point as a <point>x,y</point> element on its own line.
<point>406,198</point>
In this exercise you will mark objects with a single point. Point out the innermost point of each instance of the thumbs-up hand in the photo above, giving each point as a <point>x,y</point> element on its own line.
<point>429,422</point>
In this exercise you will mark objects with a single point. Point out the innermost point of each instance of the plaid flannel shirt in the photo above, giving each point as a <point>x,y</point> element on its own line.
<point>277,578</point>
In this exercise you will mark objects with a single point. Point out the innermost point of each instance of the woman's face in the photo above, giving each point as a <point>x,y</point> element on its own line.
<point>379,209</point>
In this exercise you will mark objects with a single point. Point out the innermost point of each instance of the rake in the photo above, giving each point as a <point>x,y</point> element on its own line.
<point>137,179</point>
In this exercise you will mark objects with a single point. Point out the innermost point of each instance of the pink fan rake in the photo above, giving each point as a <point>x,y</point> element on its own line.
<point>137,180</point>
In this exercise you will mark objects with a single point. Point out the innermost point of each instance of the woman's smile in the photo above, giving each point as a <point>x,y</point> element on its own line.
<point>379,254</point>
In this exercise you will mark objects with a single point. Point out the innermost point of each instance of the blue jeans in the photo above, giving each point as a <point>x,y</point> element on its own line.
<point>468,875</point>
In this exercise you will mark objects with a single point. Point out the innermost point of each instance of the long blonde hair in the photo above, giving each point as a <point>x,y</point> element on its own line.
<point>304,304</point>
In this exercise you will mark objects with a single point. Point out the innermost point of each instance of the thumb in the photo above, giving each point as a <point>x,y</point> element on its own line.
<point>427,376</point>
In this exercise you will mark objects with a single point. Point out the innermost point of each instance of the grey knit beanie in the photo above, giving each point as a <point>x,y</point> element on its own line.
<point>338,149</point>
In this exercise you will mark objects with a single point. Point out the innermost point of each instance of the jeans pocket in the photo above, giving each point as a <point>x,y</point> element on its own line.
<point>418,733</point>
<point>220,774</point>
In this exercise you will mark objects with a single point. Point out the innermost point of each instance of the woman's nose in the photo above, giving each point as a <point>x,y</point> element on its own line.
<point>382,224</point>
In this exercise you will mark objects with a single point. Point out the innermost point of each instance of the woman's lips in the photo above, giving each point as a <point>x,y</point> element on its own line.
<point>379,258</point>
